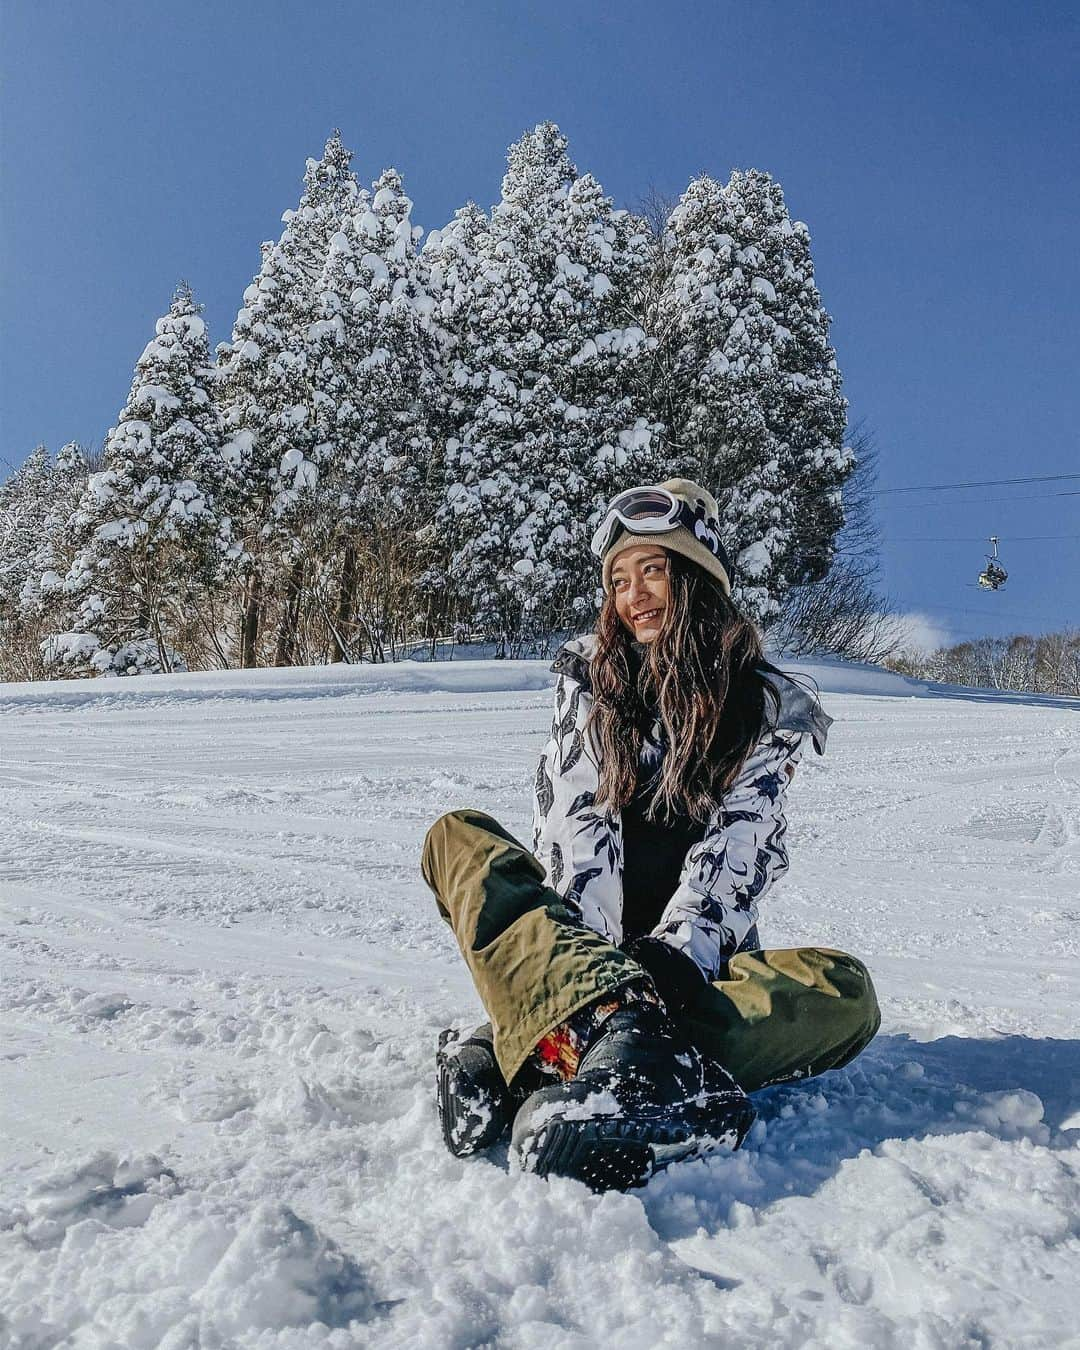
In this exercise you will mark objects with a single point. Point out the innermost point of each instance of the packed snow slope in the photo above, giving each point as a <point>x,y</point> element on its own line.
<point>223,978</point>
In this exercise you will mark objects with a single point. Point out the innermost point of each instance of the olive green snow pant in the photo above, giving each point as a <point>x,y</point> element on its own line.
<point>778,1015</point>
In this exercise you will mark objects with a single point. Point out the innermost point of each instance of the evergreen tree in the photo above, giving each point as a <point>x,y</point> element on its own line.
<point>24,507</point>
<point>375,361</point>
<point>545,425</point>
<point>148,530</point>
<point>266,387</point>
<point>24,504</point>
<point>43,586</point>
<point>751,396</point>
<point>807,412</point>
<point>721,382</point>
<point>454,263</point>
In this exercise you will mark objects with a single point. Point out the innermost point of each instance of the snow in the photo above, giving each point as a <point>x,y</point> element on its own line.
<point>637,437</point>
<point>763,286</point>
<point>239,447</point>
<point>717,364</point>
<point>376,266</point>
<point>305,471</point>
<point>224,980</point>
<point>754,560</point>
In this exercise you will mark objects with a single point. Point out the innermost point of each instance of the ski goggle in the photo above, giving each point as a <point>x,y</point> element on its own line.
<point>653,510</point>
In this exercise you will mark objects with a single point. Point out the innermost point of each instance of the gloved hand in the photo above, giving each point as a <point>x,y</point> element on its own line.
<point>676,976</point>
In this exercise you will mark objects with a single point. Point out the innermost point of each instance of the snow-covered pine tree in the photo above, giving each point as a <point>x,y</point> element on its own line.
<point>24,507</point>
<point>266,389</point>
<point>541,378</point>
<point>148,532</point>
<point>721,382</point>
<point>807,413</point>
<point>375,362</point>
<point>751,391</point>
<point>41,596</point>
<point>454,262</point>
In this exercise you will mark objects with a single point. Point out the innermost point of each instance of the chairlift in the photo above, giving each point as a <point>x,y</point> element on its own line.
<point>993,577</point>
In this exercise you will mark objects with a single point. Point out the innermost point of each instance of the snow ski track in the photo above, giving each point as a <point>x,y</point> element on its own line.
<point>1063,810</point>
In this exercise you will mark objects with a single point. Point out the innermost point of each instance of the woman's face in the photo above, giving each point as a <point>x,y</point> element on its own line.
<point>639,584</point>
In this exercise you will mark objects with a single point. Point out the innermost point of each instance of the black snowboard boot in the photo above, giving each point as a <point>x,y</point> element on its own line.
<point>475,1105</point>
<point>643,1097</point>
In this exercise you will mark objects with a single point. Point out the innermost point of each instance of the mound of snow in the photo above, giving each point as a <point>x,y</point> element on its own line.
<point>462,675</point>
<point>116,1253</point>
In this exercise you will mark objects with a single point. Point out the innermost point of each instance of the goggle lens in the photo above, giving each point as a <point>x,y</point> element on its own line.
<point>637,504</point>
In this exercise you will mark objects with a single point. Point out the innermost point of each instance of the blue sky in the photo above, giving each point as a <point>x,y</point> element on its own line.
<point>931,148</point>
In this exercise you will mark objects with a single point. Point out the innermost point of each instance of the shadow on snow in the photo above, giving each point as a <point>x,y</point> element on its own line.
<point>898,1089</point>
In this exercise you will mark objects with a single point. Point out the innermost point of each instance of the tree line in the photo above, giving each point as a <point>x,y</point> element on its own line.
<point>1049,664</point>
<point>411,440</point>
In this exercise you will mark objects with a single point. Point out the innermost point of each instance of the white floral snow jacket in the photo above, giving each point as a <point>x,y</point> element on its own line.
<point>714,907</point>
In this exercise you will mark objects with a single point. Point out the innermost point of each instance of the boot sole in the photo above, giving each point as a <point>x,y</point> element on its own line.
<point>618,1153</point>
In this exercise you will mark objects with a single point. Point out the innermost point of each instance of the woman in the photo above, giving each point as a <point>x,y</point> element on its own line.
<point>631,1006</point>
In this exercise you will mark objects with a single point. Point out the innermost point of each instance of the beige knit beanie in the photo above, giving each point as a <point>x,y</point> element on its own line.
<point>701,546</point>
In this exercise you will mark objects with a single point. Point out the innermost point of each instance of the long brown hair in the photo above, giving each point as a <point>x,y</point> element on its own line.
<point>703,674</point>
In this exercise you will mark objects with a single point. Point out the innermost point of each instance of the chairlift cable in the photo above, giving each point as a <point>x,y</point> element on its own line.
<point>983,482</point>
<point>977,501</point>
<point>973,538</point>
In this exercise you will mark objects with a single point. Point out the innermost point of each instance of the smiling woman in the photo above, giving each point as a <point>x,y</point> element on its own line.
<point>639,582</point>
<point>632,1007</point>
